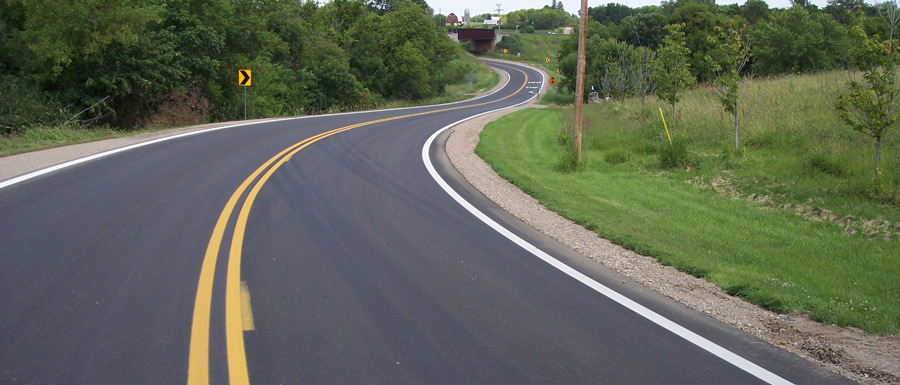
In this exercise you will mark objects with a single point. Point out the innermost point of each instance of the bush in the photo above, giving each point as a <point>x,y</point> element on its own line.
<point>675,155</point>
<point>529,29</point>
<point>182,108</point>
<point>558,96</point>
<point>512,43</point>
<point>25,104</point>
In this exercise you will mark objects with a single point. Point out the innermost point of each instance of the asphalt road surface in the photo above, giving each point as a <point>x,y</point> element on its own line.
<point>323,250</point>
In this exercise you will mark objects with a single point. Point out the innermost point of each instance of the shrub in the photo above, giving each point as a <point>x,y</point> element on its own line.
<point>25,104</point>
<point>675,155</point>
<point>182,108</point>
<point>529,29</point>
<point>512,43</point>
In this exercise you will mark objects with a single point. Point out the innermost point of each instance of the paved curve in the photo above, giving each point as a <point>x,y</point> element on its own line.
<point>359,269</point>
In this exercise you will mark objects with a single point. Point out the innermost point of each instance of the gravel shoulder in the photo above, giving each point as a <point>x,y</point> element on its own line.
<point>860,357</point>
<point>864,358</point>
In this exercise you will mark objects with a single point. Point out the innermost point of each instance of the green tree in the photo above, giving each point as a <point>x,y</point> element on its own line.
<point>644,85</point>
<point>611,13</point>
<point>699,23</point>
<point>644,29</point>
<point>568,54</point>
<point>796,41</point>
<point>369,54</point>
<point>672,72</point>
<point>612,66</point>
<point>512,43</point>
<point>412,80</point>
<point>871,105</point>
<point>334,86</point>
<point>756,11</point>
<point>727,60</point>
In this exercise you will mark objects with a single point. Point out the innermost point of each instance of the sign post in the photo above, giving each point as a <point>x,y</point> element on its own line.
<point>245,80</point>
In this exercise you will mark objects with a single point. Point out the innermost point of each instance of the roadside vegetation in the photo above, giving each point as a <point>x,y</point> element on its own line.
<point>795,222</point>
<point>137,66</point>
<point>776,173</point>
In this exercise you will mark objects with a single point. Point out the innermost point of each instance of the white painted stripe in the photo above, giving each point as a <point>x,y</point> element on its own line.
<point>44,171</point>
<point>650,315</point>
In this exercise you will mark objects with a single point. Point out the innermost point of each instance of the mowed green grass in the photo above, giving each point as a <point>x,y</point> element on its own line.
<point>768,255</point>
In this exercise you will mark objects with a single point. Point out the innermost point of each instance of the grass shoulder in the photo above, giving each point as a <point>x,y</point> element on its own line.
<point>791,223</point>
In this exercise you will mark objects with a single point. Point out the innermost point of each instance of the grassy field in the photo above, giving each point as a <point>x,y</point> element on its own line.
<point>42,137</point>
<point>793,222</point>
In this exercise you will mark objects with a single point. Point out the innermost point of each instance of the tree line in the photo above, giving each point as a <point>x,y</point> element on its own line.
<point>129,62</point>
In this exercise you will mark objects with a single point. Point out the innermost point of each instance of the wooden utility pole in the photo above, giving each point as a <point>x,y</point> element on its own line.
<point>579,79</point>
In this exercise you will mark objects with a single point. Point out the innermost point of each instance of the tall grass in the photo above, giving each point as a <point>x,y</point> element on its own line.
<point>38,137</point>
<point>793,221</point>
<point>793,147</point>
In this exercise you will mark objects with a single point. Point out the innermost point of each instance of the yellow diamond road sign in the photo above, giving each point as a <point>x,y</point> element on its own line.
<point>244,77</point>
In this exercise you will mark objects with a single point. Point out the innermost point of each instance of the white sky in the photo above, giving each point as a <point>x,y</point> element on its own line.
<point>572,6</point>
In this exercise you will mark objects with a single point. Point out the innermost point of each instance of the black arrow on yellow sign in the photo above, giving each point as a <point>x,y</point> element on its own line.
<point>244,77</point>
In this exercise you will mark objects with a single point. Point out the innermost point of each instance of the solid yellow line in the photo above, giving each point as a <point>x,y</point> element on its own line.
<point>198,360</point>
<point>246,308</point>
<point>198,367</point>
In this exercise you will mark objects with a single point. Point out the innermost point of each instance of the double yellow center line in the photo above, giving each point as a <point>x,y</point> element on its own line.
<point>198,361</point>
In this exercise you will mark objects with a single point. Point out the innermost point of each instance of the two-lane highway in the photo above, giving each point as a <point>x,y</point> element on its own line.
<point>326,250</point>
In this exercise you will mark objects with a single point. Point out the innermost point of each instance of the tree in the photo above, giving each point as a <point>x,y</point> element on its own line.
<point>672,72</point>
<point>412,81</point>
<point>611,65</point>
<point>568,54</point>
<point>871,105</point>
<point>611,13</point>
<point>511,43</point>
<point>334,84</point>
<point>644,29</point>
<point>756,11</point>
<point>796,41</point>
<point>731,54</point>
<point>643,75</point>
<point>699,22</point>
<point>841,10</point>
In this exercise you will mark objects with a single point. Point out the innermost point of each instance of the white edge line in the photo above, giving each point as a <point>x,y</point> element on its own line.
<point>650,315</point>
<point>50,169</point>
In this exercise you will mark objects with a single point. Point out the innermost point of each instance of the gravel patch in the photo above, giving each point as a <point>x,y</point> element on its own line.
<point>867,359</point>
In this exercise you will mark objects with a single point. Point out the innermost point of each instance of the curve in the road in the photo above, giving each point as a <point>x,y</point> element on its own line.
<point>363,270</point>
<point>198,363</point>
